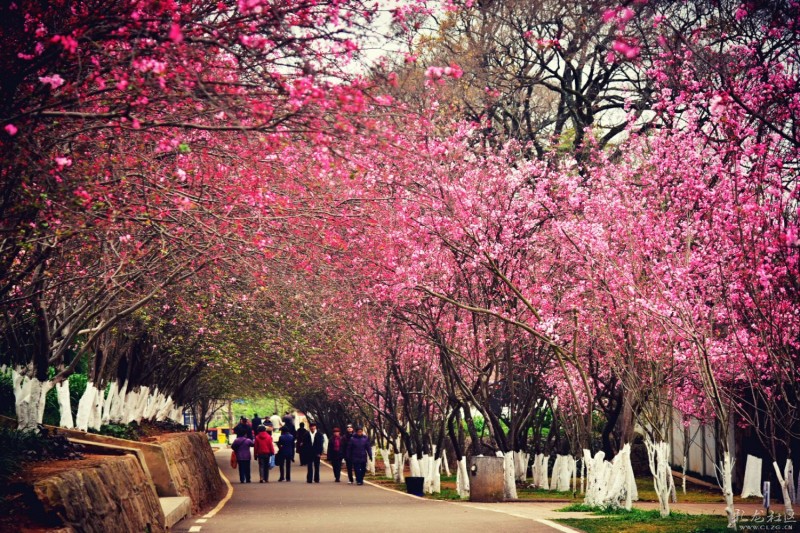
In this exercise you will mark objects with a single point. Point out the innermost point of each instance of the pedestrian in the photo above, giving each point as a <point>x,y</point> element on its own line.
<point>288,420</point>
<point>285,454</point>
<point>241,446</point>
<point>276,421</point>
<point>256,421</point>
<point>264,449</point>
<point>313,447</point>
<point>300,443</point>
<point>359,449</point>
<point>244,425</point>
<point>348,434</point>
<point>336,447</point>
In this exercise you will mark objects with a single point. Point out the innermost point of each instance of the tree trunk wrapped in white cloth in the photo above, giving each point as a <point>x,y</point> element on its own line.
<point>64,404</point>
<point>387,463</point>
<point>462,479</point>
<point>751,486</point>
<point>658,454</point>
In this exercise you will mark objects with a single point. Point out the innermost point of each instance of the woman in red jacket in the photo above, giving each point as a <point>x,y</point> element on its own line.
<point>263,449</point>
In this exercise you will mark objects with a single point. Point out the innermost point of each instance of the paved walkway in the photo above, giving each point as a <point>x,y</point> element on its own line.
<point>298,506</point>
<point>329,506</point>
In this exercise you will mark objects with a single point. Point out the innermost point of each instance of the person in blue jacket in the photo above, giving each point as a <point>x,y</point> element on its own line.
<point>359,449</point>
<point>285,455</point>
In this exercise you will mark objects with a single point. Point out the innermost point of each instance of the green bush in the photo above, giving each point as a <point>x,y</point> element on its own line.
<point>120,431</point>
<point>7,395</point>
<point>21,446</point>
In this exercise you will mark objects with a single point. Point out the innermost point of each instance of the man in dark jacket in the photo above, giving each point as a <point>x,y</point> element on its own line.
<point>300,443</point>
<point>359,449</point>
<point>244,427</point>
<point>336,449</point>
<point>255,422</point>
<point>313,450</point>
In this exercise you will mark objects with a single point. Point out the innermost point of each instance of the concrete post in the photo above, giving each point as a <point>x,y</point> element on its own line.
<point>485,479</point>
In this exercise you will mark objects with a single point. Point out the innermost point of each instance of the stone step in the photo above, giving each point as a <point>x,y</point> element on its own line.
<point>176,508</point>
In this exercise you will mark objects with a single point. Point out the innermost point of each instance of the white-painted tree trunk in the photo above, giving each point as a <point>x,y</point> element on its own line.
<point>85,407</point>
<point>399,467</point>
<point>563,474</point>
<point>782,481</point>
<point>436,477</point>
<point>595,478</point>
<point>117,410</point>
<point>27,400</point>
<point>371,462</point>
<point>788,474</point>
<point>65,404</point>
<point>727,488</point>
<point>445,463</point>
<point>413,465</point>
<point>166,409</point>
<point>521,466</point>
<point>462,479</point>
<point>111,398</point>
<point>658,457</point>
<point>46,387</point>
<point>556,471</point>
<point>387,463</point>
<point>544,466</point>
<point>509,477</point>
<point>96,416</point>
<point>683,481</point>
<point>583,476</point>
<point>425,472</point>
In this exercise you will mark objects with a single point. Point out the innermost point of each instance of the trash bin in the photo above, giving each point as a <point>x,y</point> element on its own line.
<point>486,479</point>
<point>414,485</point>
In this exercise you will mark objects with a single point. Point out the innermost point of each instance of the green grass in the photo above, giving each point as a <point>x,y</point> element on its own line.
<point>640,521</point>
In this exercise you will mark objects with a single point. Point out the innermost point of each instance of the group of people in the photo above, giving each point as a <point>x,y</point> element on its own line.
<point>353,447</point>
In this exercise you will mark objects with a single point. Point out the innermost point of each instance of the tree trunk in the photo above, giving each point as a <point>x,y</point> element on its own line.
<point>65,404</point>
<point>658,458</point>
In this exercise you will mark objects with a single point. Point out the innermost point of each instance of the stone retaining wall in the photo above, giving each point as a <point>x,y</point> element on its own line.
<point>193,467</point>
<point>110,493</point>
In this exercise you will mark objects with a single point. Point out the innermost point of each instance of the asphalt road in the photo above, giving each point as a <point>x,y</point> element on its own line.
<point>328,506</point>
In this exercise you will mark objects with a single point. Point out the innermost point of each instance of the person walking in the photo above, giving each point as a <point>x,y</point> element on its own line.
<point>276,421</point>
<point>244,426</point>
<point>359,449</point>
<point>255,421</point>
<point>336,448</point>
<point>348,434</point>
<point>313,449</point>
<point>241,446</point>
<point>288,421</point>
<point>264,449</point>
<point>300,443</point>
<point>285,454</point>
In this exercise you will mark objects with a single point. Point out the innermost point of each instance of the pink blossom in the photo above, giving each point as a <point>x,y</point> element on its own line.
<point>55,81</point>
<point>11,129</point>
<point>63,162</point>
<point>609,14</point>
<point>626,14</point>
<point>175,34</point>
<point>628,50</point>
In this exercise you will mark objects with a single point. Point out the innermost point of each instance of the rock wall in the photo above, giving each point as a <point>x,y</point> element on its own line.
<point>106,494</point>
<point>193,467</point>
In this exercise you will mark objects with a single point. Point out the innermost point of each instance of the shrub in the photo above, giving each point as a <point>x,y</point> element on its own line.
<point>24,446</point>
